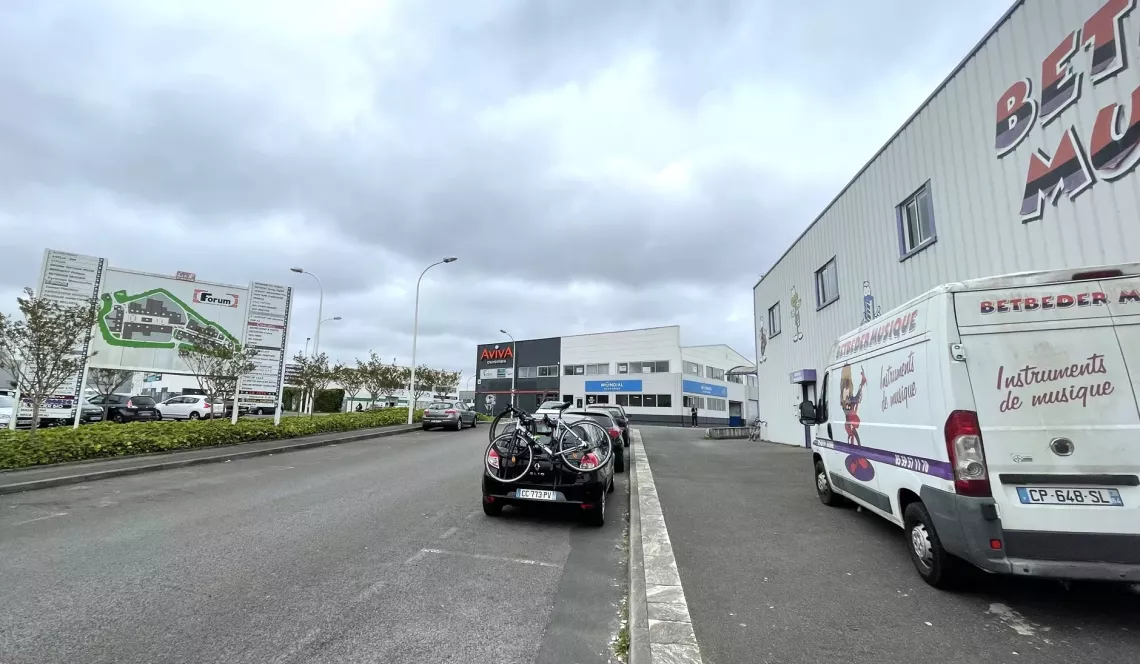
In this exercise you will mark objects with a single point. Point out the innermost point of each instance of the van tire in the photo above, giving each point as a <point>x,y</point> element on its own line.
<point>823,487</point>
<point>934,564</point>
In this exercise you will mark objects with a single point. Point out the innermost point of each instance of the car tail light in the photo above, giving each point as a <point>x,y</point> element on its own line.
<point>589,462</point>
<point>207,406</point>
<point>493,458</point>
<point>967,456</point>
<point>130,404</point>
<point>615,433</point>
<point>450,411</point>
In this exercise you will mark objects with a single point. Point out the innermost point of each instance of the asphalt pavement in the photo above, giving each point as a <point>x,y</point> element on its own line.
<point>371,551</point>
<point>772,575</point>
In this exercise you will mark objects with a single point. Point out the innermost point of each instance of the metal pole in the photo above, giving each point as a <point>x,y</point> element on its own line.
<point>79,398</point>
<point>514,362</point>
<point>415,334</point>
<point>307,339</point>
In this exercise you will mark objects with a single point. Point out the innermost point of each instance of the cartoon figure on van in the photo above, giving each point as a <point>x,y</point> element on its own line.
<point>849,399</point>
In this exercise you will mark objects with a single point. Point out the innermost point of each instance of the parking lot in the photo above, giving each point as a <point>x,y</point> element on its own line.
<point>772,575</point>
<point>373,551</point>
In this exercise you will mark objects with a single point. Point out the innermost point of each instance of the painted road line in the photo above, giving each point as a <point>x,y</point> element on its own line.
<point>671,636</point>
<point>480,556</point>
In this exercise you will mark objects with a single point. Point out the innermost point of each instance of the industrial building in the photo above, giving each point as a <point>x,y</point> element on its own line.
<point>1022,159</point>
<point>648,372</point>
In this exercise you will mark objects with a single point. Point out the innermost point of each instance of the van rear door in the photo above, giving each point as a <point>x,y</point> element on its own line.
<point>1049,368</point>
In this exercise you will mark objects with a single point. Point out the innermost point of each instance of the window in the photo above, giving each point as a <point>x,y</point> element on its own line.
<point>691,368</point>
<point>660,366</point>
<point>717,404</point>
<point>574,370</point>
<point>622,399</point>
<point>664,400</point>
<point>597,398</point>
<point>915,218</point>
<point>635,401</point>
<point>826,284</point>
<point>649,400</point>
<point>567,398</point>
<point>689,402</point>
<point>598,369</point>
<point>739,380</point>
<point>547,371</point>
<point>526,372</point>
<point>623,367</point>
<point>774,320</point>
<point>714,373</point>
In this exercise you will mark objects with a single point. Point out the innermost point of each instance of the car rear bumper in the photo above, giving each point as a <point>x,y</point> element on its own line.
<point>440,420</point>
<point>566,494</point>
<point>967,528</point>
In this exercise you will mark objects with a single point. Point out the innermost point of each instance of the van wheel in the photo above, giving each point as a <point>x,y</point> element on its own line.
<point>823,487</point>
<point>934,564</point>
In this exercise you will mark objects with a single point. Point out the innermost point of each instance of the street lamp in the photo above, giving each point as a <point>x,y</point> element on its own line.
<point>514,360</point>
<point>320,306</point>
<point>307,340</point>
<point>415,333</point>
<point>319,330</point>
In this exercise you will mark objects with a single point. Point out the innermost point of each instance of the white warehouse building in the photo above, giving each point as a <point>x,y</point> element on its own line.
<point>1023,159</point>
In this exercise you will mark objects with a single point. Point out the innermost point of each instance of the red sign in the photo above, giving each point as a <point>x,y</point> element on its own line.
<point>1113,146</point>
<point>497,354</point>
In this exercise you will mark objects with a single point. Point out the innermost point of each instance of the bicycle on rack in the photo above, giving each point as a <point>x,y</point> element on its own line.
<point>583,445</point>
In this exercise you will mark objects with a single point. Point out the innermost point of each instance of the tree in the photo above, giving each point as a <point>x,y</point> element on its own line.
<point>313,374</point>
<point>217,363</point>
<point>426,378</point>
<point>372,375</point>
<point>446,382</point>
<point>106,382</point>
<point>351,379</point>
<point>42,352</point>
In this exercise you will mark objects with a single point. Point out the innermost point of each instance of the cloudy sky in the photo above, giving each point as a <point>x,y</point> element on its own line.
<point>595,164</point>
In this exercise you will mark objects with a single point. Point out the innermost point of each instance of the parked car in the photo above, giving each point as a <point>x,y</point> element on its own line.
<point>619,415</point>
<point>448,414</point>
<point>189,407</point>
<point>7,410</point>
<point>123,408</point>
<point>608,423</point>
<point>548,483</point>
<point>260,409</point>
<point>998,425</point>
<point>90,413</point>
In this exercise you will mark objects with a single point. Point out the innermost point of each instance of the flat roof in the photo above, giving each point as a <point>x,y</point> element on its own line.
<point>941,86</point>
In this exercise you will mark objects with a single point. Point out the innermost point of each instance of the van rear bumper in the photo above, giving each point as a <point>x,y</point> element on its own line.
<point>966,526</point>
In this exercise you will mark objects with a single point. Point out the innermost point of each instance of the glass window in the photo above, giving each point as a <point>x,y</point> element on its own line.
<point>661,366</point>
<point>550,370</point>
<point>622,399</point>
<point>664,400</point>
<point>591,370</point>
<point>635,401</point>
<point>774,320</point>
<point>916,222</point>
<point>603,398</point>
<point>826,284</point>
<point>691,368</point>
<point>567,398</point>
<point>568,370</point>
<point>649,400</point>
<point>623,367</point>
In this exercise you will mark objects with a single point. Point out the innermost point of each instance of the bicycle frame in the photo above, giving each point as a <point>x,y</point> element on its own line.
<point>559,426</point>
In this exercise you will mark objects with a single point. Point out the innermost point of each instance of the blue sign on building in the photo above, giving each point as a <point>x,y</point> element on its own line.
<point>694,387</point>
<point>613,386</point>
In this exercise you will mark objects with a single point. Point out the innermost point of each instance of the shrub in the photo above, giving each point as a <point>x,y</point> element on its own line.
<point>329,401</point>
<point>95,441</point>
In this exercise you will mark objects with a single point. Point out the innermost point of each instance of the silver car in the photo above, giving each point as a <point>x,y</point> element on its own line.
<point>448,414</point>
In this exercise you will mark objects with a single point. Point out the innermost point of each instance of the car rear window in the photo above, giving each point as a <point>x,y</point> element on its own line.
<point>441,405</point>
<point>142,401</point>
<point>550,405</point>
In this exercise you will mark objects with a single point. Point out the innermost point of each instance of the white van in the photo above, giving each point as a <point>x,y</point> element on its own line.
<point>996,421</point>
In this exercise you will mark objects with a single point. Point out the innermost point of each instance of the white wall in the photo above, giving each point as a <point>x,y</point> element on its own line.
<point>977,199</point>
<point>724,358</point>
<point>651,344</point>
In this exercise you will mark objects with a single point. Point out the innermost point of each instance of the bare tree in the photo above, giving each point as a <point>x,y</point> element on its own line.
<point>397,379</point>
<point>217,364</point>
<point>426,378</point>
<point>351,380</point>
<point>446,382</point>
<point>106,382</point>
<point>44,350</point>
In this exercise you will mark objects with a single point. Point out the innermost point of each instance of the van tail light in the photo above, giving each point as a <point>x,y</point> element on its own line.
<point>1097,274</point>
<point>493,458</point>
<point>967,456</point>
<point>589,462</point>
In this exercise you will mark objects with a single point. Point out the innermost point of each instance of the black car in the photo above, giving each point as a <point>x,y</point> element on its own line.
<point>90,412</point>
<point>620,417</point>
<point>552,482</point>
<point>123,408</point>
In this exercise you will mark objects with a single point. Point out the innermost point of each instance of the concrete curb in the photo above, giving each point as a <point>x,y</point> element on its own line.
<point>94,474</point>
<point>661,629</point>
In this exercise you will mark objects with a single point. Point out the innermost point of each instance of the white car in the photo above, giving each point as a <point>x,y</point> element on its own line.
<point>7,410</point>
<point>996,421</point>
<point>189,407</point>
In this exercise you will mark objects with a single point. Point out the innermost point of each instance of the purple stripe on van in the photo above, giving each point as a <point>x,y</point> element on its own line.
<point>932,467</point>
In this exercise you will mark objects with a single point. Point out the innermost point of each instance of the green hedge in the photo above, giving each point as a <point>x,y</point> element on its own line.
<point>95,441</point>
<point>329,401</point>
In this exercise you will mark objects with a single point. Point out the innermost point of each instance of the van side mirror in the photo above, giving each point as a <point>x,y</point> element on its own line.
<point>807,413</point>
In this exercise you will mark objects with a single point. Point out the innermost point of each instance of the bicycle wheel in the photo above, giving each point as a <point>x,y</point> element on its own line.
<point>504,422</point>
<point>508,458</point>
<point>584,445</point>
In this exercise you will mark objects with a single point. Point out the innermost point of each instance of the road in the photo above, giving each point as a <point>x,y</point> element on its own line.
<point>374,551</point>
<point>772,575</point>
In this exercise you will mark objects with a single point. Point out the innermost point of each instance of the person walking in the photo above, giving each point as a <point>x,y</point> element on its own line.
<point>693,410</point>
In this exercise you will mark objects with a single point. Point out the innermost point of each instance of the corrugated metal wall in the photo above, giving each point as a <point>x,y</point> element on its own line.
<point>977,197</point>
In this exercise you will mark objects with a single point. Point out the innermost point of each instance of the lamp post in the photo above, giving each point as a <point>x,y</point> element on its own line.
<point>415,333</point>
<point>514,360</point>
<point>319,331</point>
<point>307,340</point>
<point>320,306</point>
